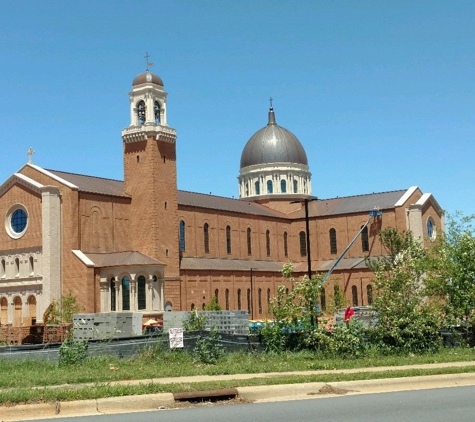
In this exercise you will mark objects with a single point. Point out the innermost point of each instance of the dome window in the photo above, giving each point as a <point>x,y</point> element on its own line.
<point>295,186</point>
<point>270,187</point>
<point>141,113</point>
<point>283,186</point>
<point>258,188</point>
<point>156,109</point>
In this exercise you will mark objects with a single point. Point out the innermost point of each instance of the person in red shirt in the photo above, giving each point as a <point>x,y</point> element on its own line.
<point>348,314</point>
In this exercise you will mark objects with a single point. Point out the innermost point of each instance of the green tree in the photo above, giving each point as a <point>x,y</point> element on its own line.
<point>67,307</point>
<point>213,305</point>
<point>408,319</point>
<point>453,270</point>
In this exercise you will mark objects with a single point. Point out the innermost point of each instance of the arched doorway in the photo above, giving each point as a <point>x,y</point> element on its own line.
<point>32,309</point>
<point>3,311</point>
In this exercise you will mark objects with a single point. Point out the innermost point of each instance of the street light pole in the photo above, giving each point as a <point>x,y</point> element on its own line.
<point>313,320</point>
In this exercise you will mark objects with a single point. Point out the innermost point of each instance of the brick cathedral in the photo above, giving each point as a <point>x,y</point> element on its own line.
<point>143,245</point>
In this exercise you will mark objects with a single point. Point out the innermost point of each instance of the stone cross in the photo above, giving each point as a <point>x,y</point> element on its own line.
<point>30,153</point>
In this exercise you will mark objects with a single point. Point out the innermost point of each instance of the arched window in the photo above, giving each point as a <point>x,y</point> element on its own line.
<point>295,186</point>
<point>203,306</point>
<point>268,242</point>
<point>141,113</point>
<point>323,300</point>
<point>125,293</point>
<point>270,188</point>
<point>249,243</point>
<point>286,249</point>
<point>192,307</point>
<point>333,249</point>
<point>182,236</point>
<point>141,293</point>
<point>259,299</point>
<point>286,291</point>
<point>31,265</point>
<point>258,188</point>
<point>112,294</point>
<point>206,237</point>
<point>249,300</point>
<point>354,295</point>
<point>283,186</point>
<point>226,296</point>
<point>247,189</point>
<point>3,272</point>
<point>216,295</point>
<point>303,244</point>
<point>156,110</point>
<point>228,239</point>
<point>17,311</point>
<point>17,267</point>
<point>369,293</point>
<point>268,301</point>
<point>337,297</point>
<point>3,311</point>
<point>32,309</point>
<point>365,240</point>
<point>239,299</point>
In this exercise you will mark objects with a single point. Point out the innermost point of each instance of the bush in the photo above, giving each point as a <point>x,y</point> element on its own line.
<point>72,352</point>
<point>208,350</point>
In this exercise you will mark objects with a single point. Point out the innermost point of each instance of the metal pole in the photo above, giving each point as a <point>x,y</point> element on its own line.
<point>252,299</point>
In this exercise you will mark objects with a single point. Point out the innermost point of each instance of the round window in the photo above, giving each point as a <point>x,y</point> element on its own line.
<point>16,221</point>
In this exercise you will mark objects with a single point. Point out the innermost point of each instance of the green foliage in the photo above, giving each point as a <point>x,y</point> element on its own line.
<point>453,270</point>
<point>408,320</point>
<point>208,350</point>
<point>213,305</point>
<point>275,337</point>
<point>72,352</point>
<point>195,322</point>
<point>338,298</point>
<point>66,308</point>
<point>344,341</point>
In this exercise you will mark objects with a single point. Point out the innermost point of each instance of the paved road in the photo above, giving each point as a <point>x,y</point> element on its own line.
<point>455,404</point>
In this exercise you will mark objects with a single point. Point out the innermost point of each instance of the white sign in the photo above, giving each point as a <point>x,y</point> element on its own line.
<point>176,338</point>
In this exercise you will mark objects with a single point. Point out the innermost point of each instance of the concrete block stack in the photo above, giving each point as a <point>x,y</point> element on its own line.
<point>107,325</point>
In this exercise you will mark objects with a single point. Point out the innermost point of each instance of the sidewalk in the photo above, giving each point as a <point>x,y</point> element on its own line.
<point>250,394</point>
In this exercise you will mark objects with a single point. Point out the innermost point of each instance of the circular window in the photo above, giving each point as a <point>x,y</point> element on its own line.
<point>16,221</point>
<point>431,232</point>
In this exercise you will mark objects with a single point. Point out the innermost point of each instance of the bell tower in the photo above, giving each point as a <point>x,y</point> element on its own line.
<point>150,173</point>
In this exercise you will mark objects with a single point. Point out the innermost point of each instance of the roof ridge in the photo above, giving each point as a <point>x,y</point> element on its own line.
<point>364,194</point>
<point>210,194</point>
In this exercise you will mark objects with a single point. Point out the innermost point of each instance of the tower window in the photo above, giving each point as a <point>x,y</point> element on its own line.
<point>286,249</point>
<point>228,239</point>
<point>141,113</point>
<point>270,188</point>
<point>295,186</point>
<point>141,296</point>
<point>268,242</point>
<point>182,236</point>
<point>333,249</point>
<point>303,244</point>
<point>258,188</point>
<point>206,237</point>
<point>125,293</point>
<point>283,186</point>
<point>365,240</point>
<point>156,110</point>
<point>249,243</point>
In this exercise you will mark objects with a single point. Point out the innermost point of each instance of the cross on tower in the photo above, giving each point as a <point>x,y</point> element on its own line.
<point>270,100</point>
<point>146,57</point>
<point>30,153</point>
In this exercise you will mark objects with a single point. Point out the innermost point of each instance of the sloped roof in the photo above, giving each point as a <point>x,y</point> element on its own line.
<point>193,263</point>
<point>225,204</point>
<point>121,259</point>
<point>350,204</point>
<point>91,184</point>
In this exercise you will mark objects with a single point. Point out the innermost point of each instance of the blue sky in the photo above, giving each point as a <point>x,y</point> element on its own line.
<point>380,94</point>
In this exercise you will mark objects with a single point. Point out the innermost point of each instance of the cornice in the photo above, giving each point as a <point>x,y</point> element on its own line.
<point>142,133</point>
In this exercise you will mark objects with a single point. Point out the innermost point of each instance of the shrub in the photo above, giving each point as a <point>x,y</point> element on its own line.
<point>208,350</point>
<point>72,352</point>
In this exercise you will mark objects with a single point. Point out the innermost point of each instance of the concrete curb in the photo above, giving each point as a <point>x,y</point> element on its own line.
<point>257,394</point>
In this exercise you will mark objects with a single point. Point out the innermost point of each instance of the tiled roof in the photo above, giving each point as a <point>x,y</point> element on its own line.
<point>191,263</point>
<point>225,204</point>
<point>93,184</point>
<point>350,204</point>
<point>120,259</point>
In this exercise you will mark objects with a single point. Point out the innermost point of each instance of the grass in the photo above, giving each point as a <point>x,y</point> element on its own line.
<point>27,381</point>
